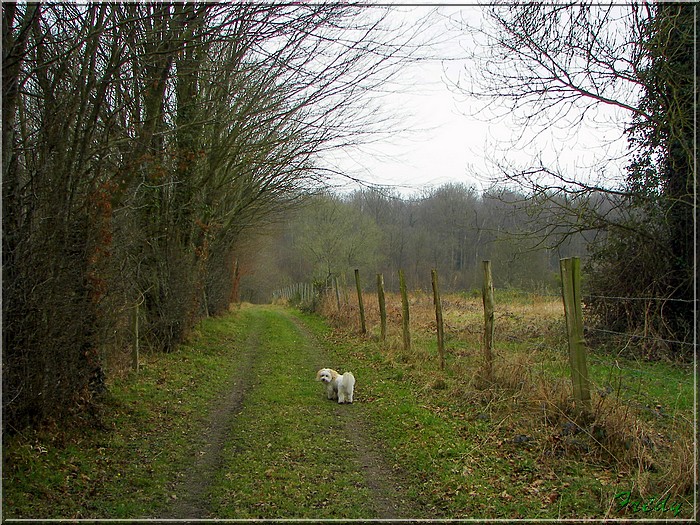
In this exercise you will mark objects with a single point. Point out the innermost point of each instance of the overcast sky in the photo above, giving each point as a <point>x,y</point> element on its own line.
<point>441,142</point>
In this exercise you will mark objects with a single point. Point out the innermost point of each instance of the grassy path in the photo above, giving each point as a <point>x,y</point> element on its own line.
<point>276,447</point>
<point>190,494</point>
<point>233,425</point>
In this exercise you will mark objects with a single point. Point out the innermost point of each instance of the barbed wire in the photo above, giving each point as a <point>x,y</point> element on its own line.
<point>637,336</point>
<point>665,299</point>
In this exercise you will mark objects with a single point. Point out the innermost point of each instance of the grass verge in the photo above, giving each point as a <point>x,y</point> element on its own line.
<point>515,447</point>
<point>122,465</point>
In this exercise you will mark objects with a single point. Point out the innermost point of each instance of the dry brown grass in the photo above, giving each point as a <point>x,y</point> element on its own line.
<point>614,433</point>
<point>536,316</point>
<point>522,388</point>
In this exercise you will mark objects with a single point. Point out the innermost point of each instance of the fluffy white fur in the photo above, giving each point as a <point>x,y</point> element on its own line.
<point>340,387</point>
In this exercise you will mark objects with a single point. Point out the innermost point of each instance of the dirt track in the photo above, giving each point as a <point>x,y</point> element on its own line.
<point>190,498</point>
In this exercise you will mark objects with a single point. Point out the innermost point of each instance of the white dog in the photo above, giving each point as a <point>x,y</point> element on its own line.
<point>340,387</point>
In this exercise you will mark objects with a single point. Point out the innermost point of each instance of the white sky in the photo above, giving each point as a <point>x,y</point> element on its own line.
<point>442,143</point>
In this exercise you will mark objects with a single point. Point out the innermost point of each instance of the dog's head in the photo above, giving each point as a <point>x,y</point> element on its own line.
<point>326,375</point>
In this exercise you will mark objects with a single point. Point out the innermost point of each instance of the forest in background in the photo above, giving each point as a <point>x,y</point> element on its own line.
<point>452,228</point>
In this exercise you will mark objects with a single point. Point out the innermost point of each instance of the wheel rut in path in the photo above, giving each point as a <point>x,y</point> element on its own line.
<point>190,501</point>
<point>384,483</point>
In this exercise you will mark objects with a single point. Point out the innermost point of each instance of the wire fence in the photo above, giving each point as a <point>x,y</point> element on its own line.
<point>638,336</point>
<point>297,293</point>
<point>660,299</point>
<point>645,336</point>
<point>306,292</point>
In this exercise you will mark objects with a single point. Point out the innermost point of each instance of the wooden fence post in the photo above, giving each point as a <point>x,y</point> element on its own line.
<point>571,294</point>
<point>337,292</point>
<point>382,306</point>
<point>489,319</point>
<point>405,316</point>
<point>236,286</point>
<point>346,295</point>
<point>438,318</point>
<point>363,327</point>
<point>135,350</point>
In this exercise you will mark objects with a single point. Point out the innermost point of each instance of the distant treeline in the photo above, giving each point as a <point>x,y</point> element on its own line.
<point>451,228</point>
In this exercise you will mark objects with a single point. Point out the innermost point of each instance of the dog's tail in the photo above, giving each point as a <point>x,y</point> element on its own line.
<point>349,378</point>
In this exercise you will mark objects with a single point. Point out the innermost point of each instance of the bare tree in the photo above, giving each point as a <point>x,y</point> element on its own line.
<point>558,66</point>
<point>555,67</point>
<point>141,144</point>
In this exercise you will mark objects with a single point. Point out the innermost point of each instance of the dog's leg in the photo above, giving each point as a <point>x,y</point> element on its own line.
<point>330,391</point>
<point>341,397</point>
